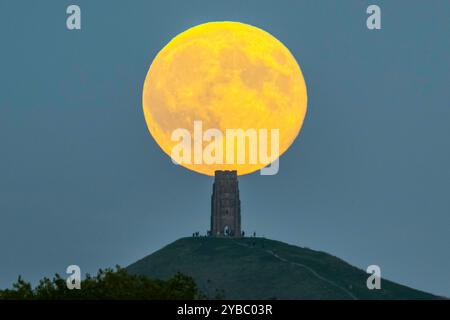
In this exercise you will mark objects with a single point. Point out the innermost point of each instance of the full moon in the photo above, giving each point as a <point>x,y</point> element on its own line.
<point>228,75</point>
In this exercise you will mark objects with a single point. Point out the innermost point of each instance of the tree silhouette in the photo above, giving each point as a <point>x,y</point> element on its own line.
<point>107,284</point>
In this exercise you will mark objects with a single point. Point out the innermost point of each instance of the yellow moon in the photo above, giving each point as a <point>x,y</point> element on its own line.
<point>228,75</point>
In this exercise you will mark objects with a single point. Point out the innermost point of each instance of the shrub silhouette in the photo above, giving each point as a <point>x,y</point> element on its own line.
<point>108,284</point>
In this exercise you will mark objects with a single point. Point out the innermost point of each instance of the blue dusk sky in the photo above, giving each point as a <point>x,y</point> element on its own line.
<point>368,178</point>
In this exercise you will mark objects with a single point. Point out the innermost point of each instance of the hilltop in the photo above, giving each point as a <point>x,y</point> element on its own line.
<point>259,268</point>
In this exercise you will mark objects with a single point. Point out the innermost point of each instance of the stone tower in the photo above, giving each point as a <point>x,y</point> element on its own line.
<point>225,205</point>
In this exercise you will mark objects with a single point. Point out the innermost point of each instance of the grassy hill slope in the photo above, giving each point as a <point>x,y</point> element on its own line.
<point>258,268</point>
